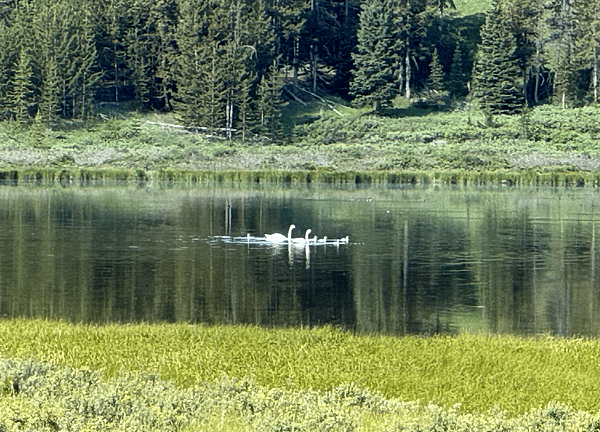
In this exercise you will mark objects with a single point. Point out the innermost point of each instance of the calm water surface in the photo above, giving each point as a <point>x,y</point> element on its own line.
<point>420,260</point>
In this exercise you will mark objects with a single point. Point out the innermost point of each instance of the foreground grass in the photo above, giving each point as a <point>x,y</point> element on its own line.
<point>478,372</point>
<point>45,398</point>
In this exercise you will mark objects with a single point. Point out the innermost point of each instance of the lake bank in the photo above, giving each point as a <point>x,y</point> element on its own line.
<point>545,146</point>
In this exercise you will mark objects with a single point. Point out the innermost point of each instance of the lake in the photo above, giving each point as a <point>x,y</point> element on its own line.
<point>418,260</point>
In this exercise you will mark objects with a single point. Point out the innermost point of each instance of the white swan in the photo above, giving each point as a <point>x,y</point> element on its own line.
<point>280,238</point>
<point>302,241</point>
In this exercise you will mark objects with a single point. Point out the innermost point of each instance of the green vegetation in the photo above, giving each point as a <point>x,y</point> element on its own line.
<point>233,91</point>
<point>42,397</point>
<point>478,372</point>
<point>545,145</point>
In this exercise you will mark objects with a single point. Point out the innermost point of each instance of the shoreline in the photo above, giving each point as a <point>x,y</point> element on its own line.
<point>545,147</point>
<point>88,175</point>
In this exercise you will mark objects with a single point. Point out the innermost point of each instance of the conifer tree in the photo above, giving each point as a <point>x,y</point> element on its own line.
<point>497,81</point>
<point>457,79</point>
<point>378,58</point>
<point>561,47</point>
<point>191,60</point>
<point>269,105</point>
<point>163,22</point>
<point>22,90</point>
<point>435,80</point>
<point>84,72</point>
<point>138,59</point>
<point>112,29</point>
<point>50,31</point>
<point>587,44</point>
<point>6,68</point>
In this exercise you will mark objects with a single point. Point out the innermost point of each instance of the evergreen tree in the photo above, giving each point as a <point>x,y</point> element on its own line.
<point>6,68</point>
<point>269,105</point>
<point>497,81</point>
<point>457,79</point>
<point>139,60</point>
<point>561,47</point>
<point>24,76</point>
<point>84,73</point>
<point>587,44</point>
<point>49,27</point>
<point>111,33</point>
<point>163,22</point>
<point>435,80</point>
<point>22,90</point>
<point>378,58</point>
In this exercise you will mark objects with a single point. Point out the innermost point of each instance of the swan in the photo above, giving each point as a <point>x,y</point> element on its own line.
<point>302,241</point>
<point>280,238</point>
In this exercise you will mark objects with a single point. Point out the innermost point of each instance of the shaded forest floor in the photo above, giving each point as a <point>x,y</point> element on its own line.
<point>322,137</point>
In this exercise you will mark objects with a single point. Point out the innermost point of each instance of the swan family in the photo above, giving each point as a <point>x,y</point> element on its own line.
<point>300,241</point>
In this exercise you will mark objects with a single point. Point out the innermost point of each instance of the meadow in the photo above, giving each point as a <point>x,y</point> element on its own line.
<point>332,142</point>
<point>60,376</point>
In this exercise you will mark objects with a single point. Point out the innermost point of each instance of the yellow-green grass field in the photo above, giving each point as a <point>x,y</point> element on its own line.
<point>59,376</point>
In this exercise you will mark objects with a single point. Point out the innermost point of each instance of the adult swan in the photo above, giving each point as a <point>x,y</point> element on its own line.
<point>280,238</point>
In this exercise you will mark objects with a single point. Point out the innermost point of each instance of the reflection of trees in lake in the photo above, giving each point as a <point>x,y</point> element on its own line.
<point>436,262</point>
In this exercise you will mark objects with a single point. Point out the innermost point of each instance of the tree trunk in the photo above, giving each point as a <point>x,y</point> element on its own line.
<point>408,73</point>
<point>296,52</point>
<point>595,78</point>
<point>314,57</point>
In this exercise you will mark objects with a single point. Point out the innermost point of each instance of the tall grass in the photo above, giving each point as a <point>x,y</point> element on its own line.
<point>479,372</point>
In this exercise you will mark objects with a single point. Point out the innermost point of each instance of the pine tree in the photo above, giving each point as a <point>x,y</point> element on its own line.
<point>435,80</point>
<point>6,68</point>
<point>190,62</point>
<point>497,81</point>
<point>163,22</point>
<point>457,79</point>
<point>587,44</point>
<point>22,91</point>
<point>111,34</point>
<point>269,105</point>
<point>561,46</point>
<point>139,60</point>
<point>49,26</point>
<point>85,72</point>
<point>24,78</point>
<point>378,58</point>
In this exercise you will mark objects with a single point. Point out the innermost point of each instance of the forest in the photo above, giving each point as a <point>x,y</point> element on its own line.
<point>232,65</point>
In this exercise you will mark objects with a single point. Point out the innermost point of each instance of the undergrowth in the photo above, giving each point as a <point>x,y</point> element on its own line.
<point>46,398</point>
<point>477,372</point>
<point>335,138</point>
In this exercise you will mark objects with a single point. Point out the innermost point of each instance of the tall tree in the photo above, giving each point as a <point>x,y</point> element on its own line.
<point>23,87</point>
<point>497,80</point>
<point>435,80</point>
<point>378,60</point>
<point>457,79</point>
<point>587,44</point>
<point>269,104</point>
<point>561,46</point>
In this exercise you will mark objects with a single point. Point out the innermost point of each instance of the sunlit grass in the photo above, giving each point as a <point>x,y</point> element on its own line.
<point>470,7</point>
<point>478,372</point>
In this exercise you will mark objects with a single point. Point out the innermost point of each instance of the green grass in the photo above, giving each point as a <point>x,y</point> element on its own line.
<point>470,7</point>
<point>546,145</point>
<point>479,372</point>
